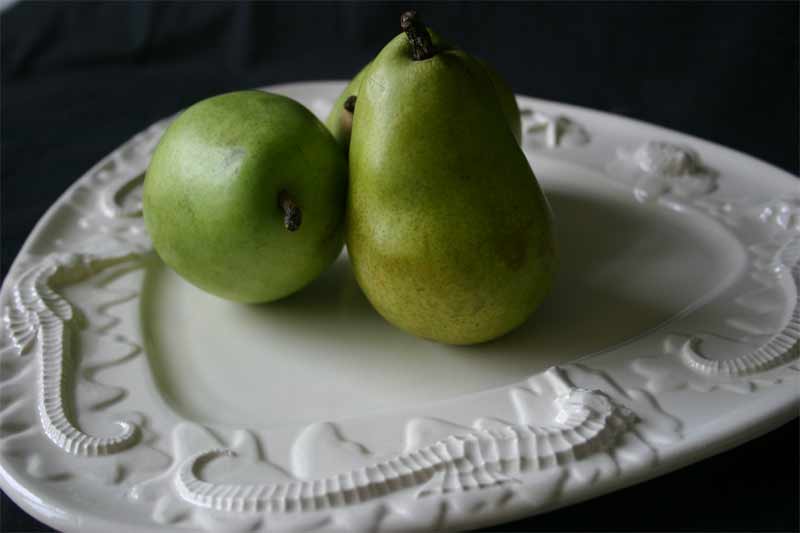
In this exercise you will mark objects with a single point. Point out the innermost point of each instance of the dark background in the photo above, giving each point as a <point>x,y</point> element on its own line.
<point>78,79</point>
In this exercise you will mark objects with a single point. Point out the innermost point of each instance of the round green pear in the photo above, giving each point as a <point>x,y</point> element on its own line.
<point>245,196</point>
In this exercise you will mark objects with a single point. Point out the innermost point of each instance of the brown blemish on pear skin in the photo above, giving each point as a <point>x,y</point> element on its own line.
<point>512,252</point>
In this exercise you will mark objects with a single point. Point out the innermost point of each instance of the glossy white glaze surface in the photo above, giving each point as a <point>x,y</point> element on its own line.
<point>132,401</point>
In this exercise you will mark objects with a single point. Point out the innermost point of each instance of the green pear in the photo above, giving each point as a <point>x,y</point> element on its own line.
<point>340,117</point>
<point>449,235</point>
<point>245,196</point>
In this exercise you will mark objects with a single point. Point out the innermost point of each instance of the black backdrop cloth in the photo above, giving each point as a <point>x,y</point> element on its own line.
<point>78,79</point>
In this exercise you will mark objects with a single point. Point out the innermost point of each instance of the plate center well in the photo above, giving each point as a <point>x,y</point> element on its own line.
<point>324,353</point>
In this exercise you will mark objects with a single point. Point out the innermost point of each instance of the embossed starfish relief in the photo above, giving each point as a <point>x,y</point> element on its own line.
<point>658,168</point>
<point>552,131</point>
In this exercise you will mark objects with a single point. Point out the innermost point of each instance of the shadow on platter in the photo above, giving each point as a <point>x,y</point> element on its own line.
<point>624,269</point>
<point>594,304</point>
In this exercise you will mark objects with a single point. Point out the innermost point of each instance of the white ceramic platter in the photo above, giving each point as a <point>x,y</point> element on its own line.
<point>132,401</point>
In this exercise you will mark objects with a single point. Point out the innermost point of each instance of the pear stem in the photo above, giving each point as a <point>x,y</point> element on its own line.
<point>418,36</point>
<point>292,216</point>
<point>350,103</point>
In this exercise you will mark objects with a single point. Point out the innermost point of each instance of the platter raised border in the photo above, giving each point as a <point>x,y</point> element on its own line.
<point>82,453</point>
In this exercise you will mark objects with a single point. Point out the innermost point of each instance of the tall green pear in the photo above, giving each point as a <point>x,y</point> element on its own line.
<point>449,234</point>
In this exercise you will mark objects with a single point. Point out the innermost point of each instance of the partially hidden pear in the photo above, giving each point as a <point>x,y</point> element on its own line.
<point>340,118</point>
<point>508,103</point>
<point>449,234</point>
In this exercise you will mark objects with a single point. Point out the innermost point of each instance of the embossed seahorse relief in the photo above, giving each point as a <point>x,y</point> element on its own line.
<point>42,323</point>
<point>586,422</point>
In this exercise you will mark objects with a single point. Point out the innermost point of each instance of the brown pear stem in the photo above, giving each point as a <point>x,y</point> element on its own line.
<point>418,36</point>
<point>292,216</point>
<point>350,103</point>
